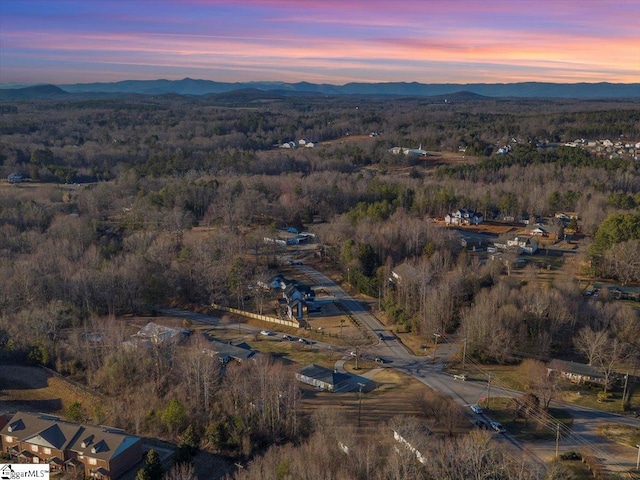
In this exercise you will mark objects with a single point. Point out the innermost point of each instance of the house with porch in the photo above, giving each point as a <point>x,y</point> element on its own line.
<point>576,372</point>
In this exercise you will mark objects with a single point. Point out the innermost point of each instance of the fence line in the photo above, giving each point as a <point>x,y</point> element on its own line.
<point>257,316</point>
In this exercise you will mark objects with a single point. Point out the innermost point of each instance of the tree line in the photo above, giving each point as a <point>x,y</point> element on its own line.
<point>74,258</point>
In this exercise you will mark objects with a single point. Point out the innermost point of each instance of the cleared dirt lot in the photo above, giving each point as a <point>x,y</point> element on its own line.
<point>34,389</point>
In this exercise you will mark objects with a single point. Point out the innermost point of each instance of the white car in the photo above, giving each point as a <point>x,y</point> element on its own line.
<point>460,376</point>
<point>497,426</point>
<point>266,333</point>
<point>475,409</point>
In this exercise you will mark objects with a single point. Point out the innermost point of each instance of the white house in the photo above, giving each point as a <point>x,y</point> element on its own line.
<point>524,244</point>
<point>463,216</point>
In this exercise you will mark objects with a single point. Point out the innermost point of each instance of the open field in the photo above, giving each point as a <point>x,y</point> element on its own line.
<point>623,434</point>
<point>392,397</point>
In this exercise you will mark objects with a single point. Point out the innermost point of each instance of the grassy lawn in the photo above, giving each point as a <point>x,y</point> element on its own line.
<point>502,411</point>
<point>588,397</point>
<point>502,375</point>
<point>510,376</point>
<point>296,352</point>
<point>624,434</point>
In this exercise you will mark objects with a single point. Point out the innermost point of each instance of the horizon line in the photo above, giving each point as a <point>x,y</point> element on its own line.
<point>408,82</point>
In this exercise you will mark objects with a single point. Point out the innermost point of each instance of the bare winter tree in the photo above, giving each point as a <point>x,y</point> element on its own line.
<point>181,471</point>
<point>591,343</point>
<point>539,381</point>
<point>622,261</point>
<point>611,357</point>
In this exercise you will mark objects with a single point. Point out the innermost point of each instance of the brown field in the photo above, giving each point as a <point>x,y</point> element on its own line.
<point>393,397</point>
<point>34,389</point>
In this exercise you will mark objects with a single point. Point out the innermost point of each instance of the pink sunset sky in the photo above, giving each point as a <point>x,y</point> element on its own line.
<point>328,41</point>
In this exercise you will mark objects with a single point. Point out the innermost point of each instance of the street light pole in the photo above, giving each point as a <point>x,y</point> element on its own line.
<point>624,391</point>
<point>638,460</point>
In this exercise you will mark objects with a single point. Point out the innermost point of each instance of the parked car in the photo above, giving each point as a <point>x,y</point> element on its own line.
<point>475,408</point>
<point>460,376</point>
<point>497,426</point>
<point>305,341</point>
<point>266,333</point>
<point>379,360</point>
<point>381,336</point>
<point>286,337</point>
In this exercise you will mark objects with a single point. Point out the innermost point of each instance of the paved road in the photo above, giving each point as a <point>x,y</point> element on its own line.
<point>583,436</point>
<point>430,372</point>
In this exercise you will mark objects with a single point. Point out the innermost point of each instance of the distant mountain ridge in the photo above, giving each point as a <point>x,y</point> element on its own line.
<point>189,86</point>
<point>36,91</point>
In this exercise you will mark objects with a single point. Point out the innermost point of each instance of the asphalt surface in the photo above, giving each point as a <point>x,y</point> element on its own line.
<point>583,436</point>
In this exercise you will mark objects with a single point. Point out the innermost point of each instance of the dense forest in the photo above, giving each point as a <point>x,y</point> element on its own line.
<point>123,182</point>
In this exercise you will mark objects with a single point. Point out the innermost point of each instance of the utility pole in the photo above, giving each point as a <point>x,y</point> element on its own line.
<point>638,460</point>
<point>360,401</point>
<point>557,438</point>
<point>488,389</point>
<point>464,353</point>
<point>435,350</point>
